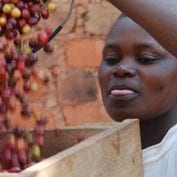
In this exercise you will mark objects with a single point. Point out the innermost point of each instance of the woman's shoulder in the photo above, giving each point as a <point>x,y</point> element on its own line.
<point>157,151</point>
<point>160,159</point>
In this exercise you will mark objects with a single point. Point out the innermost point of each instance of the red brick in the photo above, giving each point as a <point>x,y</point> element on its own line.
<point>82,53</point>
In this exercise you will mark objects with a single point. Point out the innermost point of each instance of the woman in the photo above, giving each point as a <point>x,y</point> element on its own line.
<point>138,80</point>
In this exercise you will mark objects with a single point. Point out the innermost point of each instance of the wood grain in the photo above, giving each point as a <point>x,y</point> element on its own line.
<point>114,151</point>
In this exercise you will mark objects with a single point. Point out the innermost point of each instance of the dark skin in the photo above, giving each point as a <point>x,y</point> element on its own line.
<point>138,80</point>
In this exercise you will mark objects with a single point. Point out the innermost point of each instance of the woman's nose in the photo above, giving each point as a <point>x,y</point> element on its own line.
<point>123,71</point>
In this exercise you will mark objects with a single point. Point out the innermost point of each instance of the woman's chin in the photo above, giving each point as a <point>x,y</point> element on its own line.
<point>121,117</point>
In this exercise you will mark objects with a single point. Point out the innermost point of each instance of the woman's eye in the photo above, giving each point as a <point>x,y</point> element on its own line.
<point>147,60</point>
<point>111,60</point>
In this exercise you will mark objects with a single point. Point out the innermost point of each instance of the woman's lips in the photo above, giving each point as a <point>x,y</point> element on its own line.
<point>122,92</point>
<point>122,95</point>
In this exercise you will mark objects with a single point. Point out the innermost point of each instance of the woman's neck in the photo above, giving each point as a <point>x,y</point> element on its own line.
<point>153,131</point>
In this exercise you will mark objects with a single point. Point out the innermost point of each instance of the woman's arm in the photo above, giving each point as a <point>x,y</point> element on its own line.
<point>158,17</point>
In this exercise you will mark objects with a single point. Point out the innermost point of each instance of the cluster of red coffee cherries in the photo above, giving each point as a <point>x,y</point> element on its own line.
<point>20,15</point>
<point>21,147</point>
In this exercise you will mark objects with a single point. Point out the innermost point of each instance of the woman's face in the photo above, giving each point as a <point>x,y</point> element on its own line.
<point>137,76</point>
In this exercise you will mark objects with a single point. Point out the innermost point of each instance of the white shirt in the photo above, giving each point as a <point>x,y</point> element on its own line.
<point>160,160</point>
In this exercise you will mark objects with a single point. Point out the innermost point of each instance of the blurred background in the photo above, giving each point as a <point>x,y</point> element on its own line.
<point>73,97</point>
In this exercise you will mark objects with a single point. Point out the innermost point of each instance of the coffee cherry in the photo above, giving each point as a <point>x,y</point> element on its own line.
<point>18,132</point>
<point>11,144</point>
<point>34,86</point>
<point>15,13</point>
<point>3,21</point>
<point>7,156</point>
<point>51,7</point>
<point>17,75</point>
<point>28,137</point>
<point>21,65</point>
<point>35,152</point>
<point>33,21</point>
<point>22,157</point>
<point>48,48</point>
<point>12,104</point>
<point>21,144</point>
<point>48,30</point>
<point>39,140</point>
<point>26,74</point>
<point>7,8</point>
<point>14,169</point>
<point>45,13</point>
<point>15,165</point>
<point>25,13</point>
<point>42,38</point>
<point>31,60</point>
<point>26,29</point>
<point>27,86</point>
<point>80,137</point>
<point>33,43</point>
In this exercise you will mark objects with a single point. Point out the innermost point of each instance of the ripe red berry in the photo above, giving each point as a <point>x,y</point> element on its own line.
<point>42,38</point>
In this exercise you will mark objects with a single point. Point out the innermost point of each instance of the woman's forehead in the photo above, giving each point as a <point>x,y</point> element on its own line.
<point>124,26</point>
<point>126,31</point>
<point>126,34</point>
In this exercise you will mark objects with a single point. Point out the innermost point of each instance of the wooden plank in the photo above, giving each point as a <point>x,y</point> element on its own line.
<point>68,137</point>
<point>115,152</point>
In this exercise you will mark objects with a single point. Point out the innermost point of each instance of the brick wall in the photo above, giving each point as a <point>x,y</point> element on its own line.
<point>73,97</point>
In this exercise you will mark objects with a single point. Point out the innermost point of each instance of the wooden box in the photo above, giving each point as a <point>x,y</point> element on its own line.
<point>108,151</point>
